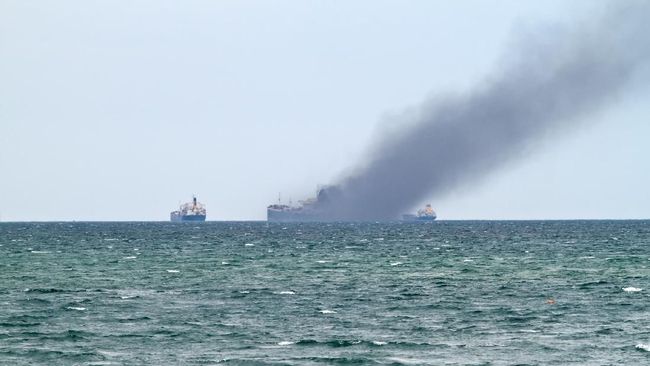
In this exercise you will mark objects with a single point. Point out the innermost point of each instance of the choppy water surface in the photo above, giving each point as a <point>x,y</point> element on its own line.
<point>457,293</point>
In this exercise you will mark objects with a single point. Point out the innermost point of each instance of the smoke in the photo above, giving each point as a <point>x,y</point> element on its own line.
<point>548,82</point>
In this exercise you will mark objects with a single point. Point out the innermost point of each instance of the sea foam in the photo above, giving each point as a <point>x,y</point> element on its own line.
<point>631,289</point>
<point>75,308</point>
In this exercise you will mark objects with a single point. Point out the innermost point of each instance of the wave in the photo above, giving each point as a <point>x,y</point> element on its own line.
<point>643,347</point>
<point>591,284</point>
<point>343,343</point>
<point>47,290</point>
<point>71,334</point>
<point>19,324</point>
<point>131,319</point>
<point>336,360</point>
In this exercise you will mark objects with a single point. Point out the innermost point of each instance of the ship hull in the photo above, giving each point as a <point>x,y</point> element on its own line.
<point>187,218</point>
<point>290,216</point>
<point>413,218</point>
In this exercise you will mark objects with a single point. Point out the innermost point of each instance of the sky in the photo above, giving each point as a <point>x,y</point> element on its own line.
<point>120,110</point>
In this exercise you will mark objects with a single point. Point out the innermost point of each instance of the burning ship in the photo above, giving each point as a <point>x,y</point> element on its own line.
<point>306,211</point>
<point>423,214</point>
<point>309,210</point>
<point>190,211</point>
<point>324,208</point>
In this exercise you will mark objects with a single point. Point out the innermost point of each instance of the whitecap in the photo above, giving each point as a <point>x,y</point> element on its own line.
<point>323,261</point>
<point>110,354</point>
<point>631,289</point>
<point>75,308</point>
<point>325,311</point>
<point>408,361</point>
<point>244,292</point>
<point>379,343</point>
<point>130,257</point>
<point>395,263</point>
<point>286,293</point>
<point>225,263</point>
<point>126,297</point>
<point>249,245</point>
<point>643,346</point>
<point>285,343</point>
<point>468,260</point>
<point>173,271</point>
<point>40,252</point>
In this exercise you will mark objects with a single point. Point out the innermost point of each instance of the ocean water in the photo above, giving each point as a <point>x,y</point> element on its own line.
<point>447,293</point>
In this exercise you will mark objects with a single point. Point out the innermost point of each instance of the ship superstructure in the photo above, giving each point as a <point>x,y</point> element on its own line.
<point>190,211</point>
<point>423,214</point>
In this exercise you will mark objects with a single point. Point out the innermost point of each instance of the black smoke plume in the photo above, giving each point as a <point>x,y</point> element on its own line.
<point>549,81</point>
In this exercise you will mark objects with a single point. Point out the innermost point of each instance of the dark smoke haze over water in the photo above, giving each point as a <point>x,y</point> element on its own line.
<point>548,82</point>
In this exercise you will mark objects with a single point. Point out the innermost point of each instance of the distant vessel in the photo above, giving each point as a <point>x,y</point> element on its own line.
<point>306,211</point>
<point>423,214</point>
<point>190,211</point>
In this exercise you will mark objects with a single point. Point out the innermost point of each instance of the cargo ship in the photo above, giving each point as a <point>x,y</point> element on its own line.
<point>424,214</point>
<point>189,212</point>
<point>306,211</point>
<point>285,213</point>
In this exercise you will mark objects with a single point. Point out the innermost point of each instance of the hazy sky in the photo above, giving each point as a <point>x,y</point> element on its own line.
<point>119,110</point>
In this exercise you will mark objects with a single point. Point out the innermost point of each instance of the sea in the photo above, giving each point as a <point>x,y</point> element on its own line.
<point>257,293</point>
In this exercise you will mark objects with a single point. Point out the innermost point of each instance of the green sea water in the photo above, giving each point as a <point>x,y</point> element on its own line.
<point>252,293</point>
